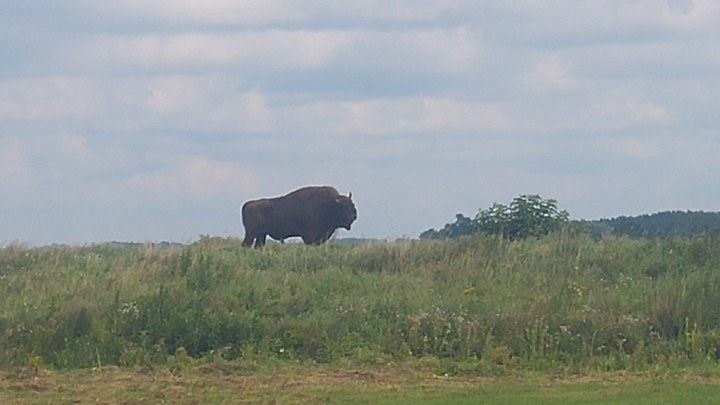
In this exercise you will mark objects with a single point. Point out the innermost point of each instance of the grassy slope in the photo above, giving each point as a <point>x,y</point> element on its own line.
<point>478,306</point>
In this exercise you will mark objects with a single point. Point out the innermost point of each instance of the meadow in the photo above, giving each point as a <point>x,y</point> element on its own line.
<point>477,307</point>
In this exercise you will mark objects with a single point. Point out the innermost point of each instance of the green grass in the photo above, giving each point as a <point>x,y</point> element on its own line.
<point>474,307</point>
<point>646,392</point>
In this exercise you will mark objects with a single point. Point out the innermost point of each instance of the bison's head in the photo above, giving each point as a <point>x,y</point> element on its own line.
<point>346,211</point>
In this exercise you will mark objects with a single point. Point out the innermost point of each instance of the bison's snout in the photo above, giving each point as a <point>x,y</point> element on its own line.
<point>349,224</point>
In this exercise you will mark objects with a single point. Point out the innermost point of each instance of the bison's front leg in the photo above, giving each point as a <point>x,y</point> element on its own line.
<point>326,236</point>
<point>317,238</point>
<point>308,240</point>
<point>260,241</point>
<point>312,239</point>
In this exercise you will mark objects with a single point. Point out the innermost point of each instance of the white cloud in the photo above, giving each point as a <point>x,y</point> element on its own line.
<point>690,14</point>
<point>559,24</point>
<point>377,11</point>
<point>246,12</point>
<point>209,103</point>
<point>622,113</point>
<point>46,98</point>
<point>584,16</point>
<point>268,49</point>
<point>74,146</point>
<point>82,156</point>
<point>252,112</point>
<point>196,176</point>
<point>246,112</point>
<point>551,73</point>
<point>446,51</point>
<point>65,106</point>
<point>593,111</point>
<point>173,94</point>
<point>660,61</point>
<point>205,104</point>
<point>263,13</point>
<point>11,157</point>
<point>397,116</point>
<point>62,167</point>
<point>634,148</point>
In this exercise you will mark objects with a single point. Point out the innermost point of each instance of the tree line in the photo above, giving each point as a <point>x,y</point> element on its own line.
<point>531,215</point>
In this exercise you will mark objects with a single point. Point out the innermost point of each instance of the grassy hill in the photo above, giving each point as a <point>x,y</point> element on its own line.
<point>481,305</point>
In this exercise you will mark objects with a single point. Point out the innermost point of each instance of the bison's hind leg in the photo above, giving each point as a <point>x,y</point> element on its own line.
<point>248,241</point>
<point>260,241</point>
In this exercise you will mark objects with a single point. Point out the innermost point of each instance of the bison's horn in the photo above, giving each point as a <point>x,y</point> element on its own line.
<point>350,195</point>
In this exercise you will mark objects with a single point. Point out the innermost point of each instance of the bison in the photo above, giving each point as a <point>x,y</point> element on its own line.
<point>312,213</point>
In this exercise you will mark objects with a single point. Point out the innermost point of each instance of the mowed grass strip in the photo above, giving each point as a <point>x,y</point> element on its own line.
<point>398,383</point>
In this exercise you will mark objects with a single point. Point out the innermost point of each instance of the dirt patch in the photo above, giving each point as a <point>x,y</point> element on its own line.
<point>23,380</point>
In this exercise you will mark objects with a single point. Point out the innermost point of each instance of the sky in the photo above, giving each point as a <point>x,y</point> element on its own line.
<point>151,120</point>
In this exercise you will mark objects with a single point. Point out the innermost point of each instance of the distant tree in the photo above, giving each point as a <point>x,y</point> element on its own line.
<point>462,226</point>
<point>495,220</point>
<point>531,215</point>
<point>527,215</point>
<point>667,224</point>
<point>429,234</point>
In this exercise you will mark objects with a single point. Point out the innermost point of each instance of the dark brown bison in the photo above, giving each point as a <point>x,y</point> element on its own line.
<point>312,213</point>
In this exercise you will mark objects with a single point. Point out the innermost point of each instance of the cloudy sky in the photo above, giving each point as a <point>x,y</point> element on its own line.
<point>150,120</point>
